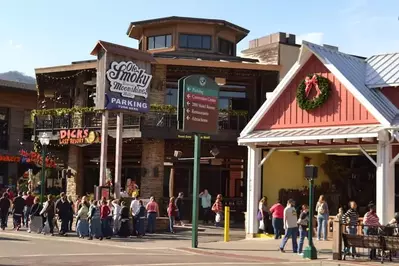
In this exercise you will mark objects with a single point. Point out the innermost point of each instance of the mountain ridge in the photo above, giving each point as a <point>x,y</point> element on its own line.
<point>18,77</point>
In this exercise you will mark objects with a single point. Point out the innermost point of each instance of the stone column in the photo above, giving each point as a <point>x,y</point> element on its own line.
<point>152,157</point>
<point>385,179</point>
<point>253,190</point>
<point>74,183</point>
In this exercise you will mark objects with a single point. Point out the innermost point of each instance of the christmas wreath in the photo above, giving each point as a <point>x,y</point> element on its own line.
<point>322,87</point>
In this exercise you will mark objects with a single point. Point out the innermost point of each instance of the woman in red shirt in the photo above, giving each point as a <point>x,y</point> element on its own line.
<point>104,213</point>
<point>172,209</point>
<point>152,213</point>
<point>277,211</point>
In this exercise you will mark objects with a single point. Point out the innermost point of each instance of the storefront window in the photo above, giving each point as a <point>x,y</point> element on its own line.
<point>160,41</point>
<point>195,41</point>
<point>4,128</point>
<point>226,97</point>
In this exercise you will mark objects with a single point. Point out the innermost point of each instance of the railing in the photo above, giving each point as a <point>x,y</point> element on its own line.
<point>153,119</point>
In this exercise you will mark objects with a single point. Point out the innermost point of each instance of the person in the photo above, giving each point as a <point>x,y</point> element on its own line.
<point>303,223</point>
<point>48,212</point>
<point>277,211</point>
<point>104,214</point>
<point>134,207</point>
<point>180,208</point>
<point>322,218</point>
<point>152,213</point>
<point>395,219</point>
<point>94,221</point>
<point>71,212</point>
<point>206,204</point>
<point>116,216</point>
<point>28,205</point>
<point>63,210</point>
<point>82,228</point>
<point>217,208</point>
<point>124,230</point>
<point>351,218</point>
<point>111,216</point>
<point>339,214</point>
<point>140,216</point>
<point>35,219</point>
<point>290,226</point>
<point>263,215</point>
<point>10,194</point>
<point>4,210</point>
<point>172,209</point>
<point>18,210</point>
<point>371,223</point>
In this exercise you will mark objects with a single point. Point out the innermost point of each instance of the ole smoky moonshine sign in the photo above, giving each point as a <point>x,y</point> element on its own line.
<point>128,87</point>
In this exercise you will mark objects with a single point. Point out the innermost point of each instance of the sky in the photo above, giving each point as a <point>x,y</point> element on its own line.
<point>44,33</point>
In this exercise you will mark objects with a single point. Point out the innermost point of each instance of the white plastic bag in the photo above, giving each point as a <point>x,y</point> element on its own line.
<point>218,217</point>
<point>261,225</point>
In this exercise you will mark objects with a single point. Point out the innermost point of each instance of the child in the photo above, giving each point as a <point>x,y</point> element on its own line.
<point>303,223</point>
<point>340,214</point>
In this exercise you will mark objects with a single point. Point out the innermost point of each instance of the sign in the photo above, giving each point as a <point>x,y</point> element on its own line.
<point>78,136</point>
<point>10,159</point>
<point>198,100</point>
<point>204,137</point>
<point>128,87</point>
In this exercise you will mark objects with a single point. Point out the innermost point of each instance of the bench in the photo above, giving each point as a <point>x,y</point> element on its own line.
<point>391,244</point>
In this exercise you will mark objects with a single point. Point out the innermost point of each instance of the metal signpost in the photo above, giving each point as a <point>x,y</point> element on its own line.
<point>198,112</point>
<point>310,251</point>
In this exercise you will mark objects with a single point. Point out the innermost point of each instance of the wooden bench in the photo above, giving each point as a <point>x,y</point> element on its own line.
<point>391,244</point>
<point>361,241</point>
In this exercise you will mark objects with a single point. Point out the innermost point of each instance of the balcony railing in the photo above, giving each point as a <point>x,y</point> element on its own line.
<point>153,119</point>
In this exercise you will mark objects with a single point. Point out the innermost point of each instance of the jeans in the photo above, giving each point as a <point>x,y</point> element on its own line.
<point>152,217</point>
<point>302,234</point>
<point>352,230</point>
<point>278,227</point>
<point>171,222</point>
<point>207,211</point>
<point>140,226</point>
<point>95,228</point>
<point>322,223</point>
<point>135,223</point>
<point>116,225</point>
<point>293,233</point>
<point>50,220</point>
<point>26,215</point>
<point>4,218</point>
<point>17,217</point>
<point>64,225</point>
<point>106,228</point>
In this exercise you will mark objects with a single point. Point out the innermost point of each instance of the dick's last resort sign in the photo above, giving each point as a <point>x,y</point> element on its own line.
<point>128,87</point>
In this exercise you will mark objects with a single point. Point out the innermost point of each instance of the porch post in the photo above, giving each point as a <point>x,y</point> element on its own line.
<point>254,190</point>
<point>385,179</point>
<point>104,148</point>
<point>118,155</point>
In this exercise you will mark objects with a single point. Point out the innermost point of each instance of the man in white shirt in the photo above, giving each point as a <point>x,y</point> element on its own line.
<point>206,204</point>
<point>290,226</point>
<point>134,207</point>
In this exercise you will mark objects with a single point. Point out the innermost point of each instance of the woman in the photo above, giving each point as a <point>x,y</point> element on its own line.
<point>71,213</point>
<point>303,223</point>
<point>277,211</point>
<point>104,215</point>
<point>322,218</point>
<point>124,230</point>
<point>263,215</point>
<point>116,216</point>
<point>48,213</point>
<point>82,228</point>
<point>351,218</point>
<point>180,208</point>
<point>217,208</point>
<point>95,221</point>
<point>4,210</point>
<point>140,216</point>
<point>172,209</point>
<point>371,223</point>
<point>152,213</point>
<point>35,219</point>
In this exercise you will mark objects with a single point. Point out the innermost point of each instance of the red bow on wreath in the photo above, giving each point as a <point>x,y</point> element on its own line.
<point>310,83</point>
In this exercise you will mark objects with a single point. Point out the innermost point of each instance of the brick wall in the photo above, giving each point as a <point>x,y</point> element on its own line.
<point>75,164</point>
<point>152,156</point>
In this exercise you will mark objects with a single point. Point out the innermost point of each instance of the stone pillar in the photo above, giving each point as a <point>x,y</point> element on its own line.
<point>74,183</point>
<point>385,179</point>
<point>152,160</point>
<point>253,190</point>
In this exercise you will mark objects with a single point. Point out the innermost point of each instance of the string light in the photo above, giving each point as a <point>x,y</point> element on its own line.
<point>68,77</point>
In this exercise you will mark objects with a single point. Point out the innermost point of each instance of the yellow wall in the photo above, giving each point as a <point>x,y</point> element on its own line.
<point>286,170</point>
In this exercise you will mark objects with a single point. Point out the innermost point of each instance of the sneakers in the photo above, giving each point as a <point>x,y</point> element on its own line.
<point>282,250</point>
<point>300,254</point>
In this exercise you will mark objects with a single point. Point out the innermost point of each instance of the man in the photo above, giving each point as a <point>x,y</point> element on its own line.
<point>135,208</point>
<point>180,208</point>
<point>290,225</point>
<point>18,210</point>
<point>63,209</point>
<point>28,205</point>
<point>206,204</point>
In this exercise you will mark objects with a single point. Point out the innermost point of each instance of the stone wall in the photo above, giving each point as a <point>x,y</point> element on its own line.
<point>152,157</point>
<point>75,164</point>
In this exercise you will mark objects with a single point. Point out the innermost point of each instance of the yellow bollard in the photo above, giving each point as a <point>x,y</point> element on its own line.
<point>227,224</point>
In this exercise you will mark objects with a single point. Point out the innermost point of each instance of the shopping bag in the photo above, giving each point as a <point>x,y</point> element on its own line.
<point>261,225</point>
<point>218,217</point>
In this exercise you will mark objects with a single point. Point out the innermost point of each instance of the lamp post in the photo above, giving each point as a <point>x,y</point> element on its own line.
<point>310,251</point>
<point>44,141</point>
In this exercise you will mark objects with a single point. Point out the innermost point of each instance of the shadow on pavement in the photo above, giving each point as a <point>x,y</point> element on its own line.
<point>12,239</point>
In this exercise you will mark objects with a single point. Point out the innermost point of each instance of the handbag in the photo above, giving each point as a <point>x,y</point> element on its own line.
<point>261,225</point>
<point>259,216</point>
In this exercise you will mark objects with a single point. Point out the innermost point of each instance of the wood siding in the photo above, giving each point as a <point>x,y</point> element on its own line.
<point>340,109</point>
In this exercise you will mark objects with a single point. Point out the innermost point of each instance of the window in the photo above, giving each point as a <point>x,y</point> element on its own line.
<point>28,126</point>
<point>4,128</point>
<point>226,47</point>
<point>225,98</point>
<point>160,41</point>
<point>195,41</point>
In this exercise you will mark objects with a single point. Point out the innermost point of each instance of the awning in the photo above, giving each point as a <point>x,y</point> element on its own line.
<point>311,134</point>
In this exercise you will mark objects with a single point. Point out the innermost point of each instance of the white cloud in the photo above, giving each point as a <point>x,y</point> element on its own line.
<point>313,37</point>
<point>14,45</point>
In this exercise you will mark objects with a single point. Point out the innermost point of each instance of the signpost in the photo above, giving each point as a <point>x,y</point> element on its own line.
<point>198,112</point>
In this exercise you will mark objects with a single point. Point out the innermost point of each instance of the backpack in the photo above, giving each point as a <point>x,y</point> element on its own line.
<point>321,209</point>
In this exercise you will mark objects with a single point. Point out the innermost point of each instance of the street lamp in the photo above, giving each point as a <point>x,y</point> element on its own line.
<point>44,141</point>
<point>310,251</point>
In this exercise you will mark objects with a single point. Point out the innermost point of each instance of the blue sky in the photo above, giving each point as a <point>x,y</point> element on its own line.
<point>44,33</point>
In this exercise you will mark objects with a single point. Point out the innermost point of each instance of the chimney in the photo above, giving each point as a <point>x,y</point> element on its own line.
<point>279,37</point>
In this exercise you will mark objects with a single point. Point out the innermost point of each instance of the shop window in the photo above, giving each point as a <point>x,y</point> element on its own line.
<point>226,47</point>
<point>4,117</point>
<point>28,126</point>
<point>160,41</point>
<point>195,41</point>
